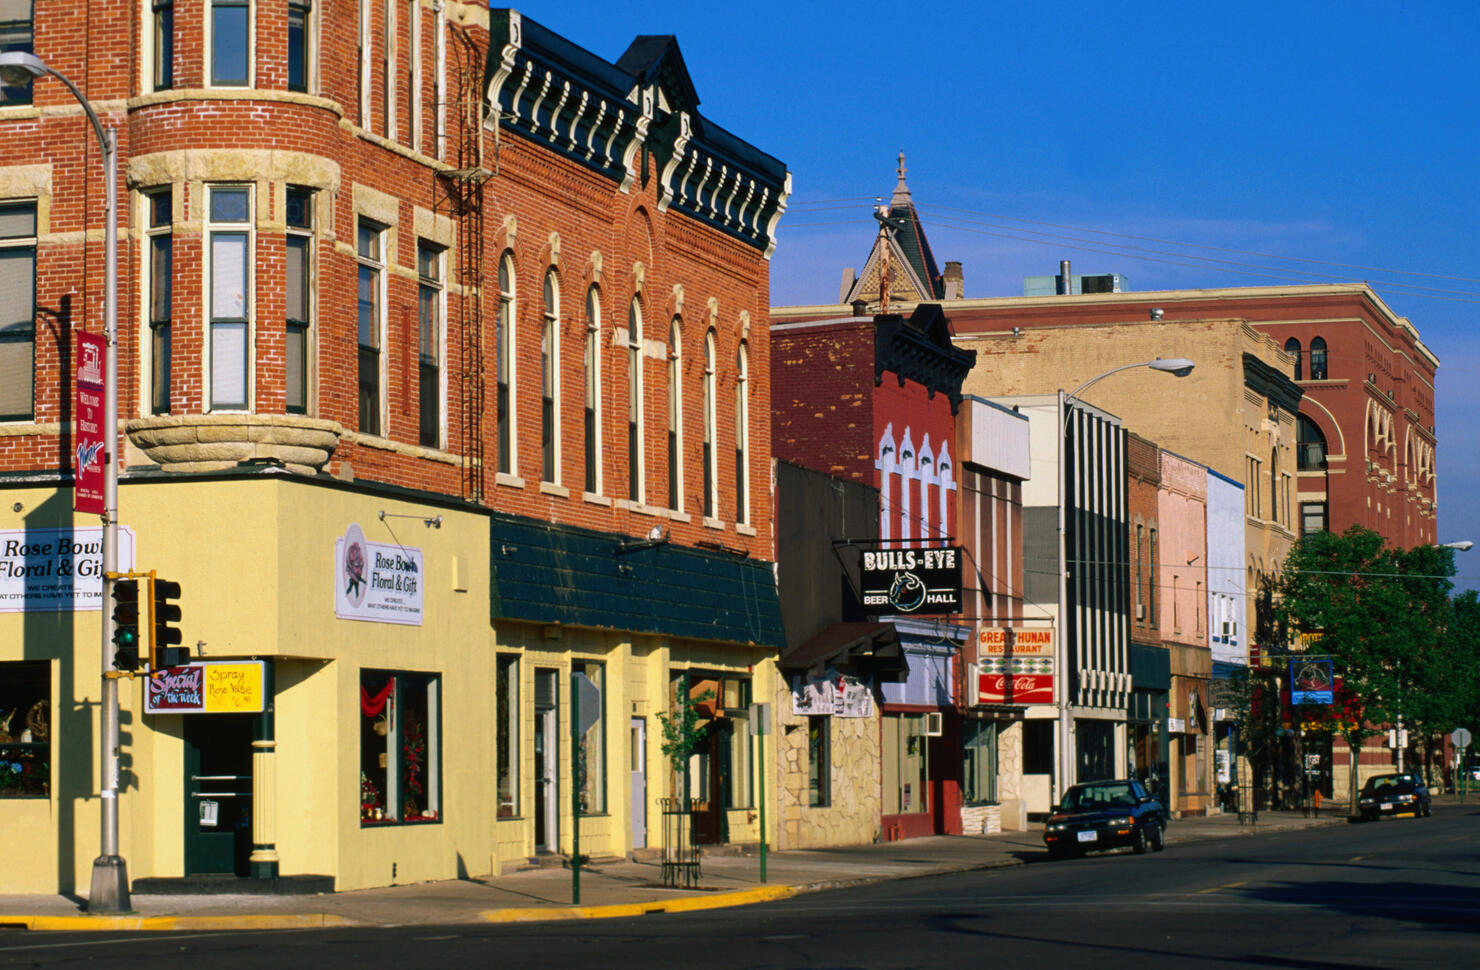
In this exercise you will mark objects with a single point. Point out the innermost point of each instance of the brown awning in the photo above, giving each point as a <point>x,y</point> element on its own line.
<point>874,646</point>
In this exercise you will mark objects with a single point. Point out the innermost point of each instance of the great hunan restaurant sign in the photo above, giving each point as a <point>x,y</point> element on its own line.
<point>1014,665</point>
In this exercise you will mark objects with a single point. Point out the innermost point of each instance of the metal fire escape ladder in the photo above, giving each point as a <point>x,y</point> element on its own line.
<point>461,195</point>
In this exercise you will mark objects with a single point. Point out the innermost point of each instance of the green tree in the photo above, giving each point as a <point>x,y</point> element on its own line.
<point>1381,614</point>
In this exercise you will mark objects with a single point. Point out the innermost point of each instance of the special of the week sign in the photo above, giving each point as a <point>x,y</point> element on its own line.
<point>374,581</point>
<point>224,687</point>
<point>1007,688</point>
<point>56,570</point>
<point>911,580</point>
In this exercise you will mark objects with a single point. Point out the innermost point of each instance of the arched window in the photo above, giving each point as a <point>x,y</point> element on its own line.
<point>675,414</point>
<point>550,381</point>
<point>634,401</point>
<point>504,348</point>
<point>1292,347</point>
<point>742,434</point>
<point>1311,455</point>
<point>591,428</point>
<point>1318,359</point>
<point>1274,485</point>
<point>709,456</point>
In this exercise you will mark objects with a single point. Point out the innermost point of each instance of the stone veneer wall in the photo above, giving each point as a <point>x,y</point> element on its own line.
<point>853,816</point>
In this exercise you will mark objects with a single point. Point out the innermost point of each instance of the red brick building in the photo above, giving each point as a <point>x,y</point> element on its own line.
<point>421,261</point>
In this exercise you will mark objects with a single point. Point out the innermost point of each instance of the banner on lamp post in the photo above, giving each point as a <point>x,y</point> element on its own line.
<point>90,438</point>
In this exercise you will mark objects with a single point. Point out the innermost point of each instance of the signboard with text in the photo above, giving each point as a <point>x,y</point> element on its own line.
<point>56,570</point>
<point>211,687</point>
<point>377,582</point>
<point>91,442</point>
<point>903,581</point>
<point>1015,665</point>
<point>1311,681</point>
<point>1002,688</point>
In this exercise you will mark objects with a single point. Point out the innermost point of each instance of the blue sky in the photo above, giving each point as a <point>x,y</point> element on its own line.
<point>1342,135</point>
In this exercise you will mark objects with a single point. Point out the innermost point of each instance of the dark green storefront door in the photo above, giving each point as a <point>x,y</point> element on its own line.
<point>218,793</point>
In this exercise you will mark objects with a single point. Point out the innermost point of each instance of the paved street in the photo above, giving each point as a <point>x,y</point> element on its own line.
<point>1397,893</point>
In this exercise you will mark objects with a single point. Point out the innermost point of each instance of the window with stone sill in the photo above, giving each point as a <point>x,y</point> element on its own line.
<point>17,310</point>
<point>159,285</point>
<point>230,49</point>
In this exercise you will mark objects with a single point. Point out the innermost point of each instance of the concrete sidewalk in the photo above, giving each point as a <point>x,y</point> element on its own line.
<point>608,887</point>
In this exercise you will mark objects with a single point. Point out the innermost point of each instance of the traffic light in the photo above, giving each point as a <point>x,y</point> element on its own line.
<point>126,624</point>
<point>165,614</point>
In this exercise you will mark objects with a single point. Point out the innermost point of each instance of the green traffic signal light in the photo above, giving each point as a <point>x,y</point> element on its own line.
<point>126,624</point>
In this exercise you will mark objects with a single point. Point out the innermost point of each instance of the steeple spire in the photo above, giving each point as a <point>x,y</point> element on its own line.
<point>901,191</point>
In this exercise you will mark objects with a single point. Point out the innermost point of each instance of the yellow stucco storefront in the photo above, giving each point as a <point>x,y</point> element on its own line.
<point>256,557</point>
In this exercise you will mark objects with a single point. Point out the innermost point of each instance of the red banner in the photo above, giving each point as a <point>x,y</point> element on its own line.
<point>90,440</point>
<point>1014,689</point>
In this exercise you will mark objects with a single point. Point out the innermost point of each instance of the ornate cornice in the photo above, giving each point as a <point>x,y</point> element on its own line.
<point>569,101</point>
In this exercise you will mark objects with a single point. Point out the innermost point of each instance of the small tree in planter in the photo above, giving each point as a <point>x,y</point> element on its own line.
<point>683,733</point>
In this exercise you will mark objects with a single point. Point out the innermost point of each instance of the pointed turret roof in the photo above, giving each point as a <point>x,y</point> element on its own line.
<point>914,276</point>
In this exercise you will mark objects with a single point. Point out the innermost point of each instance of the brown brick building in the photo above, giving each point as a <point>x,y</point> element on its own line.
<point>430,271</point>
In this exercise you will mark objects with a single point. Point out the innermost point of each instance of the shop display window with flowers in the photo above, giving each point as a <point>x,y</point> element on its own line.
<point>25,729</point>
<point>400,747</point>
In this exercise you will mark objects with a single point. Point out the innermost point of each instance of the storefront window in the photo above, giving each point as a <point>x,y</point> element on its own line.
<point>906,764</point>
<point>593,747</point>
<point>400,747</point>
<point>25,730</point>
<point>507,716</point>
<point>979,761</point>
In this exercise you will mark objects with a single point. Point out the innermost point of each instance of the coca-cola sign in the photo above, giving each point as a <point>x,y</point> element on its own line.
<point>997,688</point>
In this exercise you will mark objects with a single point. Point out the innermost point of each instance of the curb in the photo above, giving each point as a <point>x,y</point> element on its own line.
<point>165,924</point>
<point>742,897</point>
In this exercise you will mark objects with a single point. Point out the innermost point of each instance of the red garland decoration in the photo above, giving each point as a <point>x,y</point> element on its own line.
<point>372,706</point>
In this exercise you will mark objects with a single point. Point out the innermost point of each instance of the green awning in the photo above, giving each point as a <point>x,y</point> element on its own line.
<point>547,573</point>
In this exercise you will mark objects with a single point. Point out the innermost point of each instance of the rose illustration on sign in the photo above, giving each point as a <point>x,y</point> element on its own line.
<point>354,565</point>
<point>907,592</point>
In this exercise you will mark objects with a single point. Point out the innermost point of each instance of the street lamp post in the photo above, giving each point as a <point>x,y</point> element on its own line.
<point>1178,367</point>
<point>109,893</point>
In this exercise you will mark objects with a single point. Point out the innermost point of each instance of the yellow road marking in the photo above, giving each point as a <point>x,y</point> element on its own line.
<point>1356,858</point>
<point>1231,885</point>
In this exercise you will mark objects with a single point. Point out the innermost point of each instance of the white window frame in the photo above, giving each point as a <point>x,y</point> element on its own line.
<point>437,283</point>
<point>210,42</point>
<point>27,242</point>
<point>152,232</point>
<point>550,378</point>
<point>310,45</point>
<point>506,369</point>
<point>388,81</point>
<point>742,434</point>
<point>414,120</point>
<point>210,301</point>
<point>710,452</point>
<point>311,308</point>
<point>591,457</point>
<point>636,477</point>
<point>675,413</point>
<point>379,264</point>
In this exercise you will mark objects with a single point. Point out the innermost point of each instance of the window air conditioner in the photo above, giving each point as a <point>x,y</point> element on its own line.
<point>1140,611</point>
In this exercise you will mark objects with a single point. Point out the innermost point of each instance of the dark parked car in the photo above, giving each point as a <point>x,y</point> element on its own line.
<point>1393,795</point>
<point>1103,815</point>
